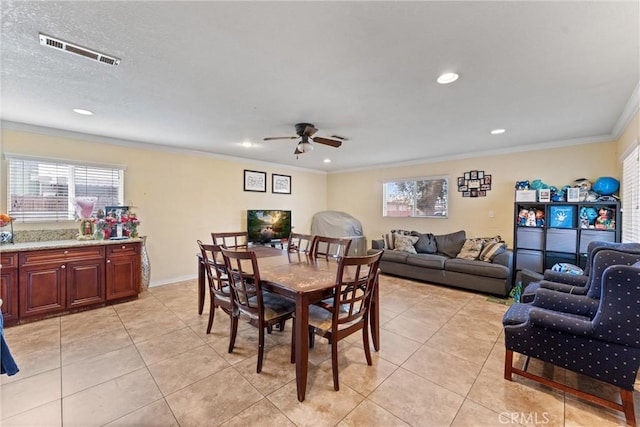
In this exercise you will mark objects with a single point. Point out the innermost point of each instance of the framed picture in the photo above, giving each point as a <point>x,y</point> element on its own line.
<point>487,179</point>
<point>255,181</point>
<point>485,187</point>
<point>474,183</point>
<point>573,194</point>
<point>460,181</point>
<point>280,184</point>
<point>474,193</point>
<point>466,194</point>
<point>463,188</point>
<point>482,193</point>
<point>480,174</point>
<point>467,175</point>
<point>473,174</point>
<point>115,211</point>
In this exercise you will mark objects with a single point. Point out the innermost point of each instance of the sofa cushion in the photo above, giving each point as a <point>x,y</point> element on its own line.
<point>426,243</point>
<point>395,256</point>
<point>450,244</point>
<point>389,238</point>
<point>491,250</point>
<point>405,243</point>
<point>433,261</point>
<point>476,268</point>
<point>471,249</point>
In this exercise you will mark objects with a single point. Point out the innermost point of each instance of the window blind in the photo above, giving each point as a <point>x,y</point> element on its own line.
<point>631,196</point>
<point>43,190</point>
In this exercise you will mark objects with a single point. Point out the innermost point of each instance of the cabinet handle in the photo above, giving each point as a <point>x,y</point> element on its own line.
<point>66,252</point>
<point>124,247</point>
<point>108,261</point>
<point>63,266</point>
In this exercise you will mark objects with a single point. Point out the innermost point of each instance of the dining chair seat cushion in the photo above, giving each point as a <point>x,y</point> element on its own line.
<point>321,318</point>
<point>274,305</point>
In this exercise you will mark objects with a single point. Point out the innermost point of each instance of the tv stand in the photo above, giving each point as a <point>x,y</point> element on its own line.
<point>274,243</point>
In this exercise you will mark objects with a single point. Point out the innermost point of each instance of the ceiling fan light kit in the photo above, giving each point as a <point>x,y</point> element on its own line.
<point>305,132</point>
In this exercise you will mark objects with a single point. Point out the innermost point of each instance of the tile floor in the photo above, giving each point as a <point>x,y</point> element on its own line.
<point>149,362</point>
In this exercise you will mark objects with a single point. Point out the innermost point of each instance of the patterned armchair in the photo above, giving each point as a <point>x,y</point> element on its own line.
<point>573,283</point>
<point>604,346</point>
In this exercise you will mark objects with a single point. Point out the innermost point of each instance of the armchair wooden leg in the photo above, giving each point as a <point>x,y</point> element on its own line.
<point>508,364</point>
<point>627,405</point>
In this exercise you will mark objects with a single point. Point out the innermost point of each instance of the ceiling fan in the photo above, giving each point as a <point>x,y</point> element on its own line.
<point>305,132</point>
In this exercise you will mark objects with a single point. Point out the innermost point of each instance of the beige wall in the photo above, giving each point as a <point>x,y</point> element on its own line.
<point>360,193</point>
<point>179,198</point>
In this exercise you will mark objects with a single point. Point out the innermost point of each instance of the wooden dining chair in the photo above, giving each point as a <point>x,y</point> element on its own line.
<point>348,310</point>
<point>264,309</point>
<point>219,290</point>
<point>299,243</point>
<point>329,247</point>
<point>231,239</point>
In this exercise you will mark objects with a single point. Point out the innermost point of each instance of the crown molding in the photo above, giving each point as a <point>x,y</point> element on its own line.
<point>629,111</point>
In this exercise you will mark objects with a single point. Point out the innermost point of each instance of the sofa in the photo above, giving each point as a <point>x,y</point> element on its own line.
<point>480,264</point>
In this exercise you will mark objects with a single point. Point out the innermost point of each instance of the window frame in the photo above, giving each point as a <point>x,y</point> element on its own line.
<point>412,213</point>
<point>630,199</point>
<point>91,170</point>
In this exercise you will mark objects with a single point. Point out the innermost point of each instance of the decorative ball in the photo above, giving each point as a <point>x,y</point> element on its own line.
<point>606,186</point>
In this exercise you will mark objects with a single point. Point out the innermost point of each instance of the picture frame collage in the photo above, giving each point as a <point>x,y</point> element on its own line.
<point>256,181</point>
<point>474,183</point>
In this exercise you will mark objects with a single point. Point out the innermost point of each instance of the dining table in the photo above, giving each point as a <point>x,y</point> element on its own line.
<point>307,280</point>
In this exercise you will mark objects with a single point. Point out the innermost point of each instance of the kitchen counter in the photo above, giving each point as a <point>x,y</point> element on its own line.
<point>56,244</point>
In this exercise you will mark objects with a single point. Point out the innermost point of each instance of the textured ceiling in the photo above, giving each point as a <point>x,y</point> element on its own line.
<point>209,75</point>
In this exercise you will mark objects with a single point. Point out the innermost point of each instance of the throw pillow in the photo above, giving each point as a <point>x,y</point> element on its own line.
<point>471,249</point>
<point>405,243</point>
<point>493,239</point>
<point>426,243</point>
<point>492,250</point>
<point>450,244</point>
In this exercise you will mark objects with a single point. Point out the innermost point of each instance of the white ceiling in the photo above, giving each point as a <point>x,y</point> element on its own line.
<point>209,75</point>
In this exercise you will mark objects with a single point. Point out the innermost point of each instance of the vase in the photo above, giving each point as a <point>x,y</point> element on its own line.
<point>145,266</point>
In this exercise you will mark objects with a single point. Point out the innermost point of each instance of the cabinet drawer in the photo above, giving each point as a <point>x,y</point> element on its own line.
<point>530,238</point>
<point>9,260</point>
<point>587,236</point>
<point>60,255</point>
<point>123,249</point>
<point>530,260</point>
<point>562,240</point>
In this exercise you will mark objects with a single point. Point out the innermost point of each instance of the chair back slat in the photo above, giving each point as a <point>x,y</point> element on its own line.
<point>329,247</point>
<point>214,266</point>
<point>231,239</point>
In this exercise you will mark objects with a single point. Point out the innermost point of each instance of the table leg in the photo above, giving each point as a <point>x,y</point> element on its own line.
<point>374,318</point>
<point>200,285</point>
<point>302,344</point>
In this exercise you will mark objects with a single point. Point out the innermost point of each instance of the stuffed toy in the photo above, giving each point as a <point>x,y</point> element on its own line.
<point>531,218</point>
<point>604,220</point>
<point>522,185</point>
<point>522,217</point>
<point>539,218</point>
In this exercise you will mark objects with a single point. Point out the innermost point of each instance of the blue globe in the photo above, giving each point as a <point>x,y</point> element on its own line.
<point>606,186</point>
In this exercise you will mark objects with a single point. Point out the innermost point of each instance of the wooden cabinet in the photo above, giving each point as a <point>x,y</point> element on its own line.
<point>123,270</point>
<point>561,231</point>
<point>59,279</point>
<point>9,287</point>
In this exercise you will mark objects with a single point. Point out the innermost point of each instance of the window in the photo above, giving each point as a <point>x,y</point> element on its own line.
<point>43,190</point>
<point>631,196</point>
<point>421,197</point>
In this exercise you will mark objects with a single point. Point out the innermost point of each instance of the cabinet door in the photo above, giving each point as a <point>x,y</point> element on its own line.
<point>85,282</point>
<point>9,287</point>
<point>123,276</point>
<point>42,289</point>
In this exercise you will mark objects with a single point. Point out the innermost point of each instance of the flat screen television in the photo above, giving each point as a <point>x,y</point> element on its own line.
<point>265,226</point>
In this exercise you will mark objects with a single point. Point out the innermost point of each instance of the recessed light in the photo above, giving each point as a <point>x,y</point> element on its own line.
<point>447,78</point>
<point>246,144</point>
<point>83,112</point>
<point>497,131</point>
<point>327,160</point>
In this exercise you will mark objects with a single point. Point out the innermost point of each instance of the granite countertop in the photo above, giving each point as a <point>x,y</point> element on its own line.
<point>55,244</point>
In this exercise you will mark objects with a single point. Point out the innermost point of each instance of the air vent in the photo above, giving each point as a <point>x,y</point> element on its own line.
<point>77,50</point>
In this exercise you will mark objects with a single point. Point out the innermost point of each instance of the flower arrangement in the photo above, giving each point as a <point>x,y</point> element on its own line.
<point>5,219</point>
<point>131,222</point>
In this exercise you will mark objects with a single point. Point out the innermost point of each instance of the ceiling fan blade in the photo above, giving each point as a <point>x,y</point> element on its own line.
<point>327,141</point>
<point>270,138</point>
<point>309,130</point>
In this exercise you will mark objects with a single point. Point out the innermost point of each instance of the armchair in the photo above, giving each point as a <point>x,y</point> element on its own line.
<point>576,284</point>
<point>605,346</point>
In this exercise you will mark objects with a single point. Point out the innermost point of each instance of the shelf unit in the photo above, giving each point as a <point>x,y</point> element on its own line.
<point>563,236</point>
